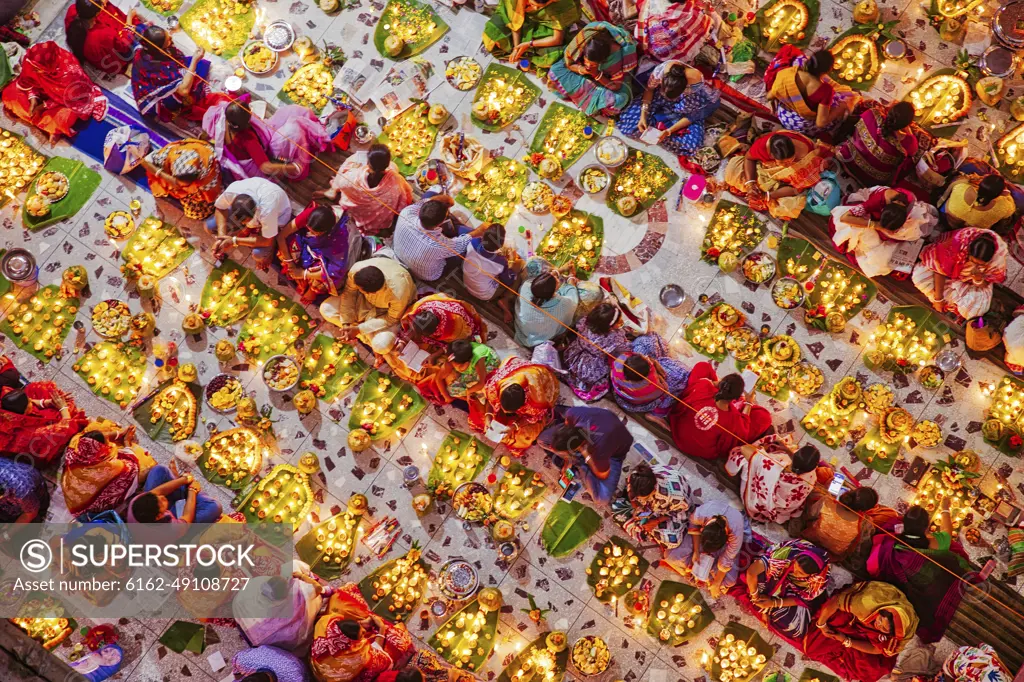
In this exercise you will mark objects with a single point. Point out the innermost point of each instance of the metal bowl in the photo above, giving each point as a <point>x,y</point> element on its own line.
<point>802,293</point>
<point>19,266</point>
<point>1004,24</point>
<point>458,579</point>
<point>465,489</point>
<point>363,134</point>
<point>613,143</point>
<point>672,296</point>
<point>279,36</point>
<point>760,256</point>
<point>597,167</point>
<point>245,50</point>
<point>270,363</point>
<point>207,393</point>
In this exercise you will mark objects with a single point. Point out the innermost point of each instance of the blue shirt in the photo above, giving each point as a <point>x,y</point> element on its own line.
<point>608,436</point>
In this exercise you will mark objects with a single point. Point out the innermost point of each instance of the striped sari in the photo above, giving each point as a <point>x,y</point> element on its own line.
<point>585,92</point>
<point>533,21</point>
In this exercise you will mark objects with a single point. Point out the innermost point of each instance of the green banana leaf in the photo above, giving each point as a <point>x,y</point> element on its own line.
<point>568,526</point>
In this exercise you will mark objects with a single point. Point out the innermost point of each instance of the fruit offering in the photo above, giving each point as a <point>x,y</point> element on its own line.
<point>460,458</point>
<point>463,73</point>
<point>37,206</point>
<point>878,398</point>
<point>926,434</point>
<point>537,197</point>
<point>806,379</point>
<point>743,343</point>
<point>594,179</point>
<point>576,238</point>
<point>410,136</point>
<point>615,570</point>
<point>19,163</point>
<point>272,327</point>
<point>831,418</point>
<point>396,588</point>
<point>174,409</point>
<point>53,186</point>
<point>560,134</point>
<point>591,655</point>
<point>941,99</point>
<point>758,267</point>
<point>281,373</point>
<point>219,26</point>
<point>733,229</point>
<point>330,368</point>
<point>310,86</point>
<point>519,491</point>
<point>384,405</point>
<point>223,392</point>
<point>155,249</point>
<point>111,318</point>
<point>931,377</point>
<point>283,496</point>
<point>504,94</point>
<point>119,224</point>
<point>644,178</point>
<point>492,196</point>
<point>39,325</point>
<point>113,370</point>
<point>259,58</point>
<point>467,638</point>
<point>707,334</point>
<point>787,293</point>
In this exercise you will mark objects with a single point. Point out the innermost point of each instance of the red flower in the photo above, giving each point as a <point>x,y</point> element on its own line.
<point>1015,441</point>
<point>809,286</point>
<point>714,252</point>
<point>902,362</point>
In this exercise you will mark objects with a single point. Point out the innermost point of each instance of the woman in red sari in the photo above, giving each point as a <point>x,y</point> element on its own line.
<point>343,641</point>
<point>167,84</point>
<point>709,419</point>
<point>521,396</point>
<point>435,321</point>
<point>52,92</point>
<point>100,35</point>
<point>38,420</point>
<point>957,273</point>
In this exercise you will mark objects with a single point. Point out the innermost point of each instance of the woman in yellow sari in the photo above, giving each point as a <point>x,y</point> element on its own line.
<point>102,467</point>
<point>978,201</point>
<point>804,99</point>
<point>344,637</point>
<point>777,171</point>
<point>186,170</point>
<point>436,320</point>
<point>520,395</point>
<point>861,630</point>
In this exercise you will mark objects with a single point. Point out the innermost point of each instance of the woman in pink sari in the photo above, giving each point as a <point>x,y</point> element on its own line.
<point>957,272</point>
<point>249,147</point>
<point>371,190</point>
<point>883,145</point>
<point>280,612</point>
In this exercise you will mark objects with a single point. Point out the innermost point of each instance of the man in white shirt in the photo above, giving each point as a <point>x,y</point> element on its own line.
<point>251,213</point>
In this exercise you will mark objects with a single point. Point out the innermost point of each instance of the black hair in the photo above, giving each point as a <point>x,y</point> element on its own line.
<point>983,247</point>
<point>153,39</point>
<point>543,288</point>
<point>190,175</point>
<point>859,499</point>
<point>243,208</point>
<point>433,213</point>
<point>899,116</point>
<point>602,317</point>
<point>807,563</point>
<point>642,481</point>
<point>915,527</point>
<point>674,82</point>
<point>321,220</point>
<point>146,508</point>
<point>461,350</point>
<point>781,147</point>
<point>425,322</point>
<point>636,367</point>
<point>730,387</point>
<point>378,158</point>
<point>493,237</point>
<point>209,572</point>
<point>714,535</point>
<point>88,9</point>
<point>820,63</point>
<point>10,378</point>
<point>78,29</point>
<point>350,629</point>
<point>96,436</point>
<point>806,459</point>
<point>276,586</point>
<point>893,216</point>
<point>990,188</point>
<point>568,438</point>
<point>16,401</point>
<point>599,47</point>
<point>369,279</point>
<point>237,116</point>
<point>409,674</point>
<point>512,398</point>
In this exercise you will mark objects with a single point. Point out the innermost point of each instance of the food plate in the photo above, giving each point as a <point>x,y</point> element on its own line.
<point>788,293</point>
<point>111,318</point>
<point>463,73</point>
<point>279,36</point>
<point>931,377</point>
<point>258,58</point>
<point>590,655</point>
<point>53,185</point>
<point>458,579</point>
<point>281,373</point>
<point>537,198</point>
<point>594,179</point>
<point>611,152</point>
<point>743,343</point>
<point>363,134</point>
<point>806,379</point>
<point>758,267</point>
<point>119,225</point>
<point>223,393</point>
<point>472,502</point>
